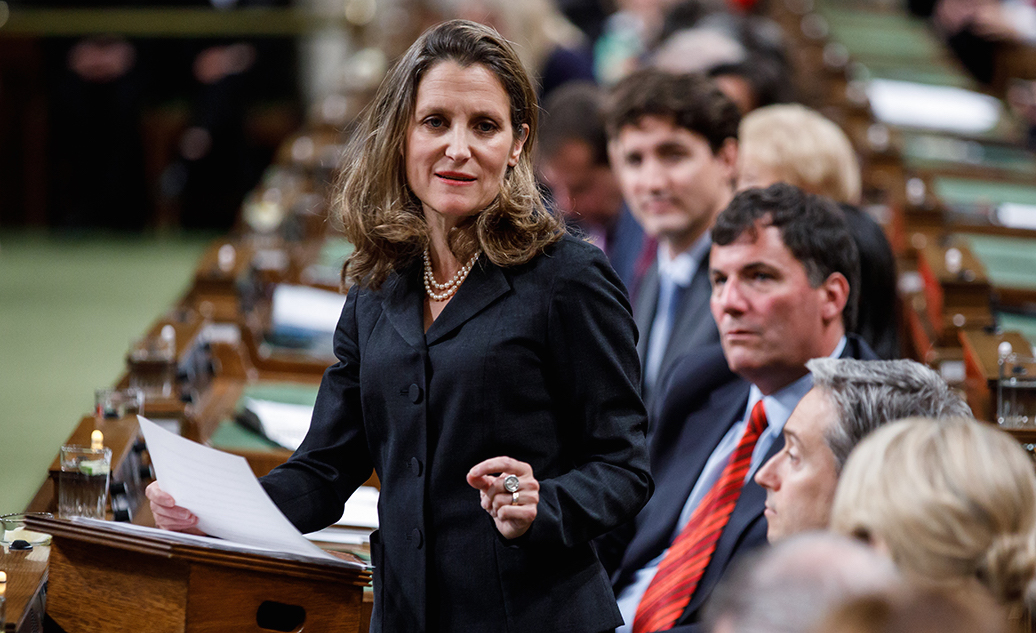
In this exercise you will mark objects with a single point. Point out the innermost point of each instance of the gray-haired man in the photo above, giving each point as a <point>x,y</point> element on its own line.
<point>849,399</point>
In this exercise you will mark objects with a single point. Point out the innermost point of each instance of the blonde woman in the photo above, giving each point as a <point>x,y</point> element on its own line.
<point>952,502</point>
<point>794,144</point>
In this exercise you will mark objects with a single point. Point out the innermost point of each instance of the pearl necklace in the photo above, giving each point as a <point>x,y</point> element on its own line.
<point>442,292</point>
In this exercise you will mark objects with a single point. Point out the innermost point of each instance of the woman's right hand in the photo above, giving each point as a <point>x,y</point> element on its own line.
<point>168,515</point>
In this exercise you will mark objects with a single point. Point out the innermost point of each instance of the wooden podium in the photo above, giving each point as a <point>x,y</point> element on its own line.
<point>102,579</point>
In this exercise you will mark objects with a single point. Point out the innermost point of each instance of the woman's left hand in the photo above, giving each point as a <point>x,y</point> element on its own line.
<point>513,513</point>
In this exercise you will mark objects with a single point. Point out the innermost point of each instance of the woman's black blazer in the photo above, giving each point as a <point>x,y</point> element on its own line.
<point>537,362</point>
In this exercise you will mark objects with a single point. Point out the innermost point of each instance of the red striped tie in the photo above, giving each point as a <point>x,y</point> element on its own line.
<point>678,574</point>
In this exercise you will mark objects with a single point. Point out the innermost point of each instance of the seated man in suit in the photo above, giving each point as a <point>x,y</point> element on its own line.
<point>573,162</point>
<point>849,399</point>
<point>782,267</point>
<point>673,145</point>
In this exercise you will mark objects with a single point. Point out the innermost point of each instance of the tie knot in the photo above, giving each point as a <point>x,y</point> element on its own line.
<point>757,419</point>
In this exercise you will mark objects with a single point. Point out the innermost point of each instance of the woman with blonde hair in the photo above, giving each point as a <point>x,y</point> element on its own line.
<point>953,503</point>
<point>917,610</point>
<point>791,143</point>
<point>487,370</point>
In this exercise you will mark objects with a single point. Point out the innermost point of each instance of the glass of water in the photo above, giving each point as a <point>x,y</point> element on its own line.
<point>83,481</point>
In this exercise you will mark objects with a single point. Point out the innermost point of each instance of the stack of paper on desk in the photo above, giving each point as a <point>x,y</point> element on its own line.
<point>221,490</point>
<point>359,519</point>
<point>908,104</point>
<point>1017,216</point>
<point>306,309</point>
<point>283,423</point>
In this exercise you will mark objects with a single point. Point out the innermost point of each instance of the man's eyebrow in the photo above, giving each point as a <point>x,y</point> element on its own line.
<point>758,264</point>
<point>670,146</point>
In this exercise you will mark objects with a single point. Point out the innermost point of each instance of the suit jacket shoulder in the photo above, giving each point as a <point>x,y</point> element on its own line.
<point>693,328</point>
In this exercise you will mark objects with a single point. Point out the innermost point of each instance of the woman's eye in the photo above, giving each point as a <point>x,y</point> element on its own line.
<point>434,122</point>
<point>486,126</point>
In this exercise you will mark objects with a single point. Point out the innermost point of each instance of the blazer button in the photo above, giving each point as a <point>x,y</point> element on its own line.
<point>416,539</point>
<point>415,466</point>
<point>414,392</point>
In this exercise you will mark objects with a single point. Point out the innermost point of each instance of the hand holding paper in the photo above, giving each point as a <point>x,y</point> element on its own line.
<point>221,490</point>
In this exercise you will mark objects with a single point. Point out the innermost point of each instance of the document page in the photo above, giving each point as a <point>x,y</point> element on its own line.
<point>221,490</point>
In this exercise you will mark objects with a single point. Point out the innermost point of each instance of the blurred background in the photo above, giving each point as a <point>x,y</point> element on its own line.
<point>139,141</point>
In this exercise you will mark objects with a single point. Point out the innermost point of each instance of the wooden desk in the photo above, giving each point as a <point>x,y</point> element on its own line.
<point>1010,263</point>
<point>26,588</point>
<point>981,361</point>
<point>103,580</point>
<point>955,296</point>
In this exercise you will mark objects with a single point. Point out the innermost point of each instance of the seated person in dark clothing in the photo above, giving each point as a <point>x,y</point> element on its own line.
<point>573,162</point>
<point>673,145</point>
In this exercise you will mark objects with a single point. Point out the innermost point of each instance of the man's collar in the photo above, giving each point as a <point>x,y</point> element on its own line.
<point>682,267</point>
<point>782,402</point>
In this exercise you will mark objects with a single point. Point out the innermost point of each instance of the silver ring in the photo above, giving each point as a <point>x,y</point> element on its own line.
<point>511,483</point>
<point>514,498</point>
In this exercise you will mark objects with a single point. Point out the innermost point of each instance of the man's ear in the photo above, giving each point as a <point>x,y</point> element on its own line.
<point>834,294</point>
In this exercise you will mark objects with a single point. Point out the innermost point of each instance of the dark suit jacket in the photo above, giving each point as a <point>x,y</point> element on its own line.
<point>703,399</point>
<point>694,327</point>
<point>536,362</point>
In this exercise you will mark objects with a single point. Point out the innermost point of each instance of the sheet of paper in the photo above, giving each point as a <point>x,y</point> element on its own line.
<point>909,104</point>
<point>306,308</point>
<point>361,510</point>
<point>1017,216</point>
<point>341,536</point>
<point>286,424</point>
<point>221,490</point>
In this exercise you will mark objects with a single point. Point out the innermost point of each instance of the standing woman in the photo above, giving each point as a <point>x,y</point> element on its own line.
<point>487,365</point>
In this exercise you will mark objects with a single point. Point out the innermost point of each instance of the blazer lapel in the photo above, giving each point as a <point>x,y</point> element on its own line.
<point>748,511</point>
<point>692,447</point>
<point>694,326</point>
<point>402,310</point>
<point>485,284</point>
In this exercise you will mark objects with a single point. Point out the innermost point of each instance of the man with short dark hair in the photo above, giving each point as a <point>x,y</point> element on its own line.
<point>673,146</point>
<point>782,268</point>
<point>849,399</point>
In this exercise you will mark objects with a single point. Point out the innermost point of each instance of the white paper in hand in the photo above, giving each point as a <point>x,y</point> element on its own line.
<point>221,490</point>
